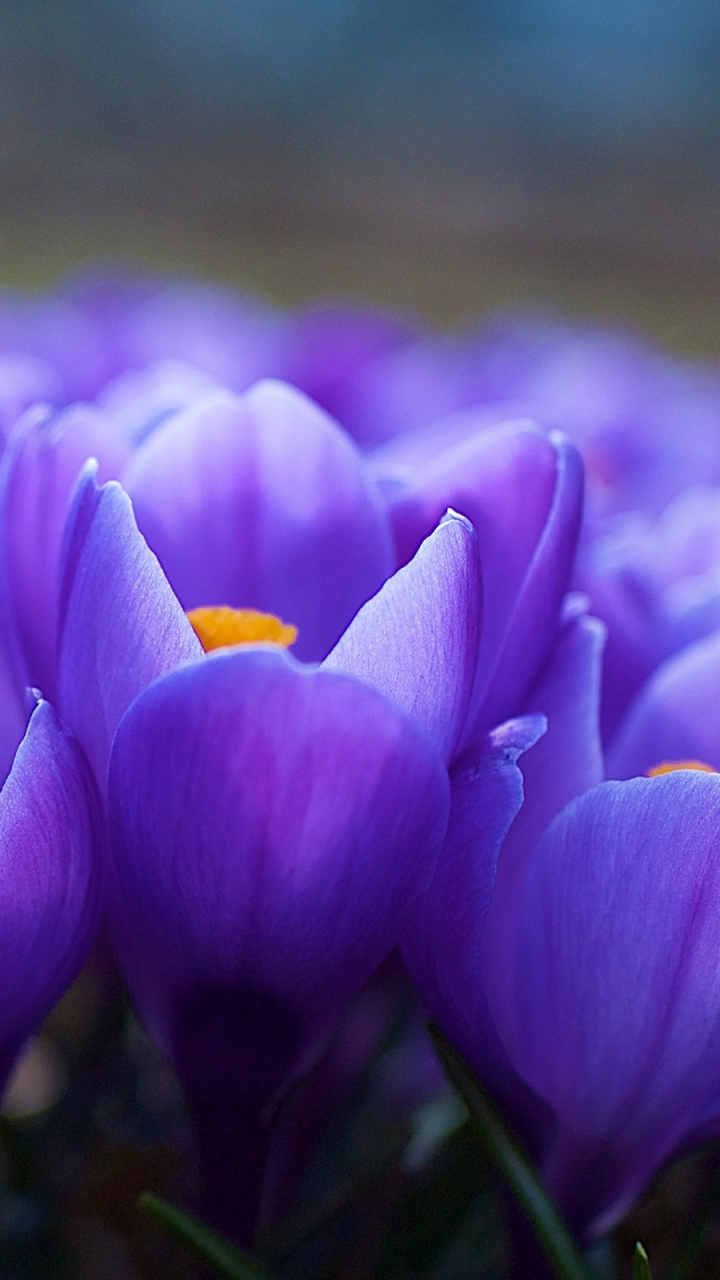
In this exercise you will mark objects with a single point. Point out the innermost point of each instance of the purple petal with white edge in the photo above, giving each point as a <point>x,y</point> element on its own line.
<point>417,639</point>
<point>676,716</point>
<point>563,764</point>
<point>622,900</point>
<point>261,501</point>
<point>441,941</point>
<point>51,880</point>
<point>44,458</point>
<point>120,624</point>
<point>272,825</point>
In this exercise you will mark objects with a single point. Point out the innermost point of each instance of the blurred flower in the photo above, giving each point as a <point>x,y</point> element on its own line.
<point>656,583</point>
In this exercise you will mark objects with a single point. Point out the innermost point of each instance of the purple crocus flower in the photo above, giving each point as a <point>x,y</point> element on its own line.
<point>558,911</point>
<point>262,501</point>
<point>607,1002</point>
<point>271,825</point>
<point>301,810</point>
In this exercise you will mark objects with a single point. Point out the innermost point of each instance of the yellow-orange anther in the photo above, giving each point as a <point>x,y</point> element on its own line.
<point>670,766</point>
<point>220,627</point>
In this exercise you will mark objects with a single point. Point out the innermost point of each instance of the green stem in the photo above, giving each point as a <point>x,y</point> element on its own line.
<point>212,1248</point>
<point>521,1178</point>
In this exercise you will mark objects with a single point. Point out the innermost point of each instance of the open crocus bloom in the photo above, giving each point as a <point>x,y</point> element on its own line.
<point>257,501</point>
<point>271,823</point>
<point>261,501</point>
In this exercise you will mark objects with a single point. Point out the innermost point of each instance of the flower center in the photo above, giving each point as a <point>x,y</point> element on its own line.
<point>220,627</point>
<point>670,766</point>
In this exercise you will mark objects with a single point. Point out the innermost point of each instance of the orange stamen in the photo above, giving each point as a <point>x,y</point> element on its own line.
<point>670,766</point>
<point>220,627</point>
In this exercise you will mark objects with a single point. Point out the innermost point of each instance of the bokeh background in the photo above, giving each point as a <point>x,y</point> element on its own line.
<point>445,156</point>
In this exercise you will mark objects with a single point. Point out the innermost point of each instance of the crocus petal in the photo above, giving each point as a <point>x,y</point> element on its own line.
<point>261,502</point>
<point>45,455</point>
<point>51,883</point>
<point>441,941</point>
<point>614,1016</point>
<point>272,825</point>
<point>120,624</point>
<point>523,493</point>
<point>565,762</point>
<point>417,639</point>
<point>675,717</point>
<point>534,616</point>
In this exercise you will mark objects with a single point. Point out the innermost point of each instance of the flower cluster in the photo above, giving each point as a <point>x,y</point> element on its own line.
<point>316,609</point>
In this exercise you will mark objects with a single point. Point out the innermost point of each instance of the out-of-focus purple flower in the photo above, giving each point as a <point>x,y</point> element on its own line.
<point>647,425</point>
<point>110,333</point>
<point>656,583</point>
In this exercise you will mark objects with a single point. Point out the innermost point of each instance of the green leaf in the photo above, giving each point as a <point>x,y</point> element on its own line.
<point>517,1171</point>
<point>219,1252</point>
<point>641,1265</point>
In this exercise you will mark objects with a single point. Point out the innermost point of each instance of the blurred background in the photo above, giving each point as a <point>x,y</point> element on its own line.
<point>445,156</point>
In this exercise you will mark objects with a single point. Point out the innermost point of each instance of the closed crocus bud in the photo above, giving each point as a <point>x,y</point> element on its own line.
<point>655,582</point>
